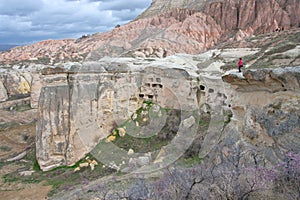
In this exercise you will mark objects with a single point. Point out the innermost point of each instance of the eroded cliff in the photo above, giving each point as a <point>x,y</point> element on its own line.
<point>167,28</point>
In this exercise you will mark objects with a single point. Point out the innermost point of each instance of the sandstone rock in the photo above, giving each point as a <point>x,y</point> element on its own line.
<point>26,173</point>
<point>265,114</point>
<point>94,162</point>
<point>3,92</point>
<point>122,131</point>
<point>36,87</point>
<point>77,169</point>
<point>85,164</point>
<point>176,26</point>
<point>266,80</point>
<point>139,54</point>
<point>24,86</point>
<point>130,152</point>
<point>92,166</point>
<point>143,160</point>
<point>144,119</point>
<point>189,122</point>
<point>137,124</point>
<point>18,157</point>
<point>63,103</point>
<point>161,156</point>
<point>110,138</point>
<point>134,116</point>
<point>132,163</point>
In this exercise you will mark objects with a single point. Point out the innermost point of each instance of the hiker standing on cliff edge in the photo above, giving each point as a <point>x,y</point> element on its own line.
<point>240,64</point>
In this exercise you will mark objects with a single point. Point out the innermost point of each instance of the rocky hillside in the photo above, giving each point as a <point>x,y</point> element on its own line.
<point>166,28</point>
<point>159,117</point>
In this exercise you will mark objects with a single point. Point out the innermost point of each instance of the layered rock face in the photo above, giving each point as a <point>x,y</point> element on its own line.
<point>256,112</point>
<point>14,85</point>
<point>166,28</point>
<point>266,118</point>
<point>78,108</point>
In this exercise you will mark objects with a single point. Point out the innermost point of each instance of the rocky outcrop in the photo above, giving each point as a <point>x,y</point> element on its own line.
<point>50,51</point>
<point>254,17</point>
<point>3,92</point>
<point>84,106</point>
<point>15,84</point>
<point>255,112</point>
<point>266,117</point>
<point>268,80</point>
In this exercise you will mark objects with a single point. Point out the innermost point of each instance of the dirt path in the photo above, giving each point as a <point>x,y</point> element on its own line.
<point>34,192</point>
<point>17,134</point>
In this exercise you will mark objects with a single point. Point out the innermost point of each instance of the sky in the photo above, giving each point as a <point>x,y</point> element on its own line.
<point>29,21</point>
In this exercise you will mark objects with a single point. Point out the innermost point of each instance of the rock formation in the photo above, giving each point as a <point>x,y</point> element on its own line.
<point>79,108</point>
<point>264,111</point>
<point>166,28</point>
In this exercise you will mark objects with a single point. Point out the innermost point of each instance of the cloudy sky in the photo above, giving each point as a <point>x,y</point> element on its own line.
<point>29,21</point>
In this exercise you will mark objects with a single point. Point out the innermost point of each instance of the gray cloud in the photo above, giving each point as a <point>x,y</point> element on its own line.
<point>122,4</point>
<point>19,7</point>
<point>27,21</point>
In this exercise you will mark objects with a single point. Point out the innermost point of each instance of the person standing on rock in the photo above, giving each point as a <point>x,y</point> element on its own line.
<point>240,64</point>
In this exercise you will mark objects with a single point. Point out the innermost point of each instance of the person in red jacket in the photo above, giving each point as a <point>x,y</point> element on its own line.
<point>240,64</point>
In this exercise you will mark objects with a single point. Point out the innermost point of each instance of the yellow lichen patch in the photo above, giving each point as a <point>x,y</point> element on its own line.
<point>110,138</point>
<point>24,87</point>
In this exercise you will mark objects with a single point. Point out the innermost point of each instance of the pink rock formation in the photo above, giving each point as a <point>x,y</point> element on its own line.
<point>168,27</point>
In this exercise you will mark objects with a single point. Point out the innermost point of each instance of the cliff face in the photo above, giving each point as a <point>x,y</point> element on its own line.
<point>79,104</point>
<point>166,28</point>
<point>266,117</point>
<point>257,110</point>
<point>79,108</point>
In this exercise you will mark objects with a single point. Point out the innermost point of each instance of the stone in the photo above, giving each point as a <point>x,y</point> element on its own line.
<point>130,152</point>
<point>137,124</point>
<point>134,116</point>
<point>143,160</point>
<point>132,163</point>
<point>144,119</point>
<point>94,162</point>
<point>92,166</point>
<point>18,157</point>
<point>3,92</point>
<point>77,169</point>
<point>160,156</point>
<point>26,173</point>
<point>85,164</point>
<point>24,86</point>
<point>110,138</point>
<point>139,54</point>
<point>122,131</point>
<point>189,122</point>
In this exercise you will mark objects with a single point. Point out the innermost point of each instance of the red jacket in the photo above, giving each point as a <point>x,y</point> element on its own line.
<point>240,63</point>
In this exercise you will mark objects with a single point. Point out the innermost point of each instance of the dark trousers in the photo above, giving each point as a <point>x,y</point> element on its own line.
<point>240,68</point>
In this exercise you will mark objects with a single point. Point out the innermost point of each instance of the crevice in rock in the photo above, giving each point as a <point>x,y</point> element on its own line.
<point>69,118</point>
